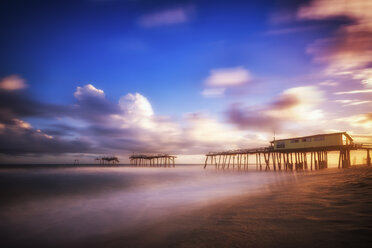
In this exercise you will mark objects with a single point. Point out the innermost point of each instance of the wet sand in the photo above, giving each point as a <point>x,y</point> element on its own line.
<point>329,208</point>
<point>324,209</point>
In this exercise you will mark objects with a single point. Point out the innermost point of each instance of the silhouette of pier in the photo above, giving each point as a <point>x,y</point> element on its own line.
<point>107,160</point>
<point>158,160</point>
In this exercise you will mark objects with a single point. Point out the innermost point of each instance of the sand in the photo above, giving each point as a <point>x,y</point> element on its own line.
<point>329,208</point>
<point>326,209</point>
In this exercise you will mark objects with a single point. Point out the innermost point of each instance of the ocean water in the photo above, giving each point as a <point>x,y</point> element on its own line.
<point>67,206</point>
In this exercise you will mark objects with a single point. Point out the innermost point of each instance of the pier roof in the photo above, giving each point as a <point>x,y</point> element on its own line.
<point>310,136</point>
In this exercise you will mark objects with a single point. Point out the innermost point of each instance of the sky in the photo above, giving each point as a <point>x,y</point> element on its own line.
<point>87,78</point>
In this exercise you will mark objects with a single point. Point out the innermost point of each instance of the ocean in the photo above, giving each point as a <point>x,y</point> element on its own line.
<point>186,206</point>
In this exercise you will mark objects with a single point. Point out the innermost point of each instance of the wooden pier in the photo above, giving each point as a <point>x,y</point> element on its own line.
<point>267,158</point>
<point>158,160</point>
<point>299,153</point>
<point>107,160</point>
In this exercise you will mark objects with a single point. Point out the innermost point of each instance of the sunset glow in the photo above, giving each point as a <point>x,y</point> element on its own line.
<point>182,78</point>
<point>186,123</point>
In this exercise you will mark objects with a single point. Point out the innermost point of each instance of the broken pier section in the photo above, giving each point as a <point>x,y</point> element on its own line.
<point>158,160</point>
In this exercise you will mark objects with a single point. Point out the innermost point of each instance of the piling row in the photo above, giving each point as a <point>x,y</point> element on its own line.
<point>152,160</point>
<point>107,160</point>
<point>264,159</point>
<point>344,159</point>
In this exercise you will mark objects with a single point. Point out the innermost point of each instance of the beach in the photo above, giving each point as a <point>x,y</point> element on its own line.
<point>185,206</point>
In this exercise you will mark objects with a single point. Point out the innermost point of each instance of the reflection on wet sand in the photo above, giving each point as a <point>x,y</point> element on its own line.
<point>184,207</point>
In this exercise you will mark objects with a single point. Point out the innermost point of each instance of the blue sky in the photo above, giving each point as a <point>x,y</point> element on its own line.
<point>230,64</point>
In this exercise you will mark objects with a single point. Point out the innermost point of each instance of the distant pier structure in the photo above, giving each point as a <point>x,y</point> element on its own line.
<point>107,160</point>
<point>300,153</point>
<point>157,160</point>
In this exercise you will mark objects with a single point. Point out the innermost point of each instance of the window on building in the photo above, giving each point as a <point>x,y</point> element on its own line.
<point>306,140</point>
<point>345,140</point>
<point>295,141</point>
<point>319,138</point>
<point>280,144</point>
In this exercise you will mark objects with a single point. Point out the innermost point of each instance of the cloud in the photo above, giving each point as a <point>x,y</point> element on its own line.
<point>206,133</point>
<point>298,104</point>
<point>353,92</point>
<point>19,138</point>
<point>208,130</point>
<point>92,105</point>
<point>349,50</point>
<point>360,120</point>
<point>136,104</point>
<point>15,104</point>
<point>252,118</point>
<point>88,91</point>
<point>226,77</point>
<point>348,102</point>
<point>21,124</point>
<point>166,17</point>
<point>292,106</point>
<point>13,82</point>
<point>328,83</point>
<point>321,9</point>
<point>364,75</point>
<point>94,125</point>
<point>214,92</point>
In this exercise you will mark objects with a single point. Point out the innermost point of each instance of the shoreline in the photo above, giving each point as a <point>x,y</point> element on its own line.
<point>267,219</point>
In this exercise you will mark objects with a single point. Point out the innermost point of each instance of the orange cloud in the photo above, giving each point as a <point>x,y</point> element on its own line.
<point>13,82</point>
<point>361,120</point>
<point>292,106</point>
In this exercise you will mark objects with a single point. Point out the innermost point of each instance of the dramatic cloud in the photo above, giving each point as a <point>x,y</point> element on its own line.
<point>19,138</point>
<point>228,77</point>
<point>166,17</point>
<point>359,10</point>
<point>91,105</point>
<point>94,125</point>
<point>13,82</point>
<point>252,118</point>
<point>293,106</point>
<point>136,104</point>
<point>349,50</point>
<point>14,104</point>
